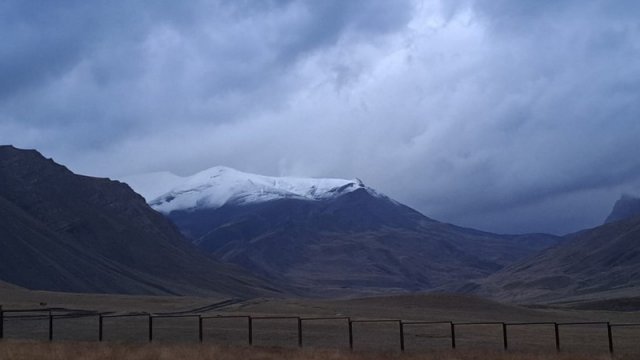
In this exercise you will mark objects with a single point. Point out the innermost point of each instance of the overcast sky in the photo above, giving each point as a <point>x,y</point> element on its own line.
<point>503,115</point>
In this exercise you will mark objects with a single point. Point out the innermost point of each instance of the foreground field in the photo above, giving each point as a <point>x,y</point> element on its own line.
<point>96,351</point>
<point>225,322</point>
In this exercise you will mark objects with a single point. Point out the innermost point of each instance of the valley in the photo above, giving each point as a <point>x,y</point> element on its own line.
<point>330,237</point>
<point>236,259</point>
<point>226,325</point>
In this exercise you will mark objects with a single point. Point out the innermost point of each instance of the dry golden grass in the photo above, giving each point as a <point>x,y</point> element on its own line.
<point>10,350</point>
<point>73,336</point>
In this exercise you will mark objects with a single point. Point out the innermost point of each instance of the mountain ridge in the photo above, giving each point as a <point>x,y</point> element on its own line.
<point>593,264</point>
<point>357,240</point>
<point>627,206</point>
<point>65,232</point>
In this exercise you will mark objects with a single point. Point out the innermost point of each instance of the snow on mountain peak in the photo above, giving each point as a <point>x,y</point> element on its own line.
<point>217,186</point>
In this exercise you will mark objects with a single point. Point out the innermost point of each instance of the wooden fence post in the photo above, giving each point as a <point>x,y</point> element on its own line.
<point>250,329</point>
<point>1,323</point>
<point>401,335</point>
<point>100,327</point>
<point>299,332</point>
<point>557,336</point>
<point>504,336</point>
<point>150,328</point>
<point>350,334</point>
<point>200,332</point>
<point>453,335</point>
<point>50,326</point>
<point>610,334</point>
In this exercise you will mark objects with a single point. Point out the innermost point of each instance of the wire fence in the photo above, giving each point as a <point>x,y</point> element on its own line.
<point>56,324</point>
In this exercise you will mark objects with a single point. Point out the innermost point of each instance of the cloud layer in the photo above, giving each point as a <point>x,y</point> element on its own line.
<point>510,116</point>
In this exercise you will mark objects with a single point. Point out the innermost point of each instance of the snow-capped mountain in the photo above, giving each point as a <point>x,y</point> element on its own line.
<point>219,186</point>
<point>327,235</point>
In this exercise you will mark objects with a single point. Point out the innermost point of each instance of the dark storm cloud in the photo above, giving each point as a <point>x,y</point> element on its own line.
<point>504,115</point>
<point>125,65</point>
<point>579,130</point>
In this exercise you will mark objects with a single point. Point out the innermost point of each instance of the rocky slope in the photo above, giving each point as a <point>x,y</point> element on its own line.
<point>626,207</point>
<point>596,264</point>
<point>65,232</point>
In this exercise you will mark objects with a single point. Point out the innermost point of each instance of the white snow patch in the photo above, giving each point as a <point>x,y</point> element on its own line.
<point>220,185</point>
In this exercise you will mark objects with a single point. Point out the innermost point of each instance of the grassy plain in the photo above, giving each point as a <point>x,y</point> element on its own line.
<point>227,338</point>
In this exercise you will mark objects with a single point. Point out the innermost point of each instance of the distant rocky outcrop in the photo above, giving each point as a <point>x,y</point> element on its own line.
<point>65,232</point>
<point>626,207</point>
